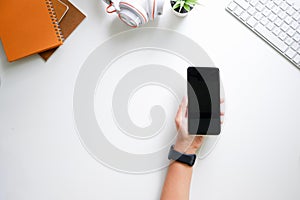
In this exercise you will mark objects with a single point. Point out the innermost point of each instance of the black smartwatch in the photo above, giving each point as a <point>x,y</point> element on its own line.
<point>188,159</point>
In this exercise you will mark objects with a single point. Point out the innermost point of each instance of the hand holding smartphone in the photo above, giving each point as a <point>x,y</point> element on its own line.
<point>203,101</point>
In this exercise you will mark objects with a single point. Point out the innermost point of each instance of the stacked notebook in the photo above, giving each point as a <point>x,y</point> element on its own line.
<point>36,26</point>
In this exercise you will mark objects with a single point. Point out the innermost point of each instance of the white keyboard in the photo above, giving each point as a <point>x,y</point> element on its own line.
<point>276,21</point>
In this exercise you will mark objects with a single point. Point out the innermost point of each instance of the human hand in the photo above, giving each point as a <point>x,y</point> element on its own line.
<point>185,142</point>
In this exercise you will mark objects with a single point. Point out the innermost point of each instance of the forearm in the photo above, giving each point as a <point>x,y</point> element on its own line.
<point>177,182</point>
<point>179,175</point>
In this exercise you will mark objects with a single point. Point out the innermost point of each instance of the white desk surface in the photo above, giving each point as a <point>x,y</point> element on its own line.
<point>257,157</point>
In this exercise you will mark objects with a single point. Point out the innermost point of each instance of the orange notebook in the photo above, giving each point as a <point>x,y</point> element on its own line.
<point>28,27</point>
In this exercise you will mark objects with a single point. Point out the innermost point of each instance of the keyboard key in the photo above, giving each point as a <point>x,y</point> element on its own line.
<point>253,2</point>
<point>232,6</point>
<point>264,21</point>
<point>284,27</point>
<point>291,32</point>
<point>266,12</point>
<point>296,37</point>
<point>294,24</point>
<point>288,41</point>
<point>282,15</point>
<point>282,35</point>
<point>288,20</point>
<point>296,59</point>
<point>276,31</point>
<point>276,9</point>
<point>258,16</point>
<point>244,4</point>
<point>278,22</point>
<point>270,5</point>
<point>296,6</point>
<point>272,17</point>
<point>295,46</point>
<point>277,2</point>
<point>251,10</point>
<point>238,10</point>
<point>259,7</point>
<point>290,11</point>
<point>270,26</point>
<point>271,38</point>
<point>283,6</point>
<point>296,16</point>
<point>244,16</point>
<point>251,21</point>
<point>289,2</point>
<point>290,53</point>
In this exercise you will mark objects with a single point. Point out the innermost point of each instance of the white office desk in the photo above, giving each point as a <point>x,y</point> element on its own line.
<point>257,157</point>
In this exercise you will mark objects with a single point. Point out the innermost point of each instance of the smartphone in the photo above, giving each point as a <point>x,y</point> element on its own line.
<point>203,87</point>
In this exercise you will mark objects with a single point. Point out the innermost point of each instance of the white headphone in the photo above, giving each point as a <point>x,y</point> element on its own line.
<point>136,12</point>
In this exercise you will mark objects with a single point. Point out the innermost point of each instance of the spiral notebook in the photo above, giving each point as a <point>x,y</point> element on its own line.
<point>68,24</point>
<point>28,27</point>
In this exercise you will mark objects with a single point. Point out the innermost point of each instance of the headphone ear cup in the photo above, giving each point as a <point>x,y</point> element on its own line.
<point>135,8</point>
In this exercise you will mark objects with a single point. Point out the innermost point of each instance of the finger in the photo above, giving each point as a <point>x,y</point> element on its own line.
<point>186,113</point>
<point>198,139</point>
<point>184,101</point>
<point>179,114</point>
<point>184,106</point>
<point>201,139</point>
<point>222,101</point>
<point>222,113</point>
<point>221,122</point>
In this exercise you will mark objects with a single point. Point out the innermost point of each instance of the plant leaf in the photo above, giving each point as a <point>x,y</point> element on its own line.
<point>187,7</point>
<point>192,2</point>
<point>181,5</point>
<point>176,5</point>
<point>186,4</point>
<point>190,5</point>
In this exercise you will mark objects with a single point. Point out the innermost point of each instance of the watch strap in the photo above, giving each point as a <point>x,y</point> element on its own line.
<point>188,159</point>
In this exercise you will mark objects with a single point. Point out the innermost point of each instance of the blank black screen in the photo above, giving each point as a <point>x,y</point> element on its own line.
<point>203,100</point>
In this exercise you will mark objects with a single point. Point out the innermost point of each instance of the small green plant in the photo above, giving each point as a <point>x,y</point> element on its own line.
<point>186,4</point>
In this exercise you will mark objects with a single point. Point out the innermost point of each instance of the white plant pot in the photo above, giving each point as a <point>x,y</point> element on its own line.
<point>178,14</point>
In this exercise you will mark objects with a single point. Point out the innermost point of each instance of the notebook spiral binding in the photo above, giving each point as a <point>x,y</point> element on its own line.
<point>52,14</point>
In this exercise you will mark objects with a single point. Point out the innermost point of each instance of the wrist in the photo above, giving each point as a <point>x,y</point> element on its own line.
<point>184,149</point>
